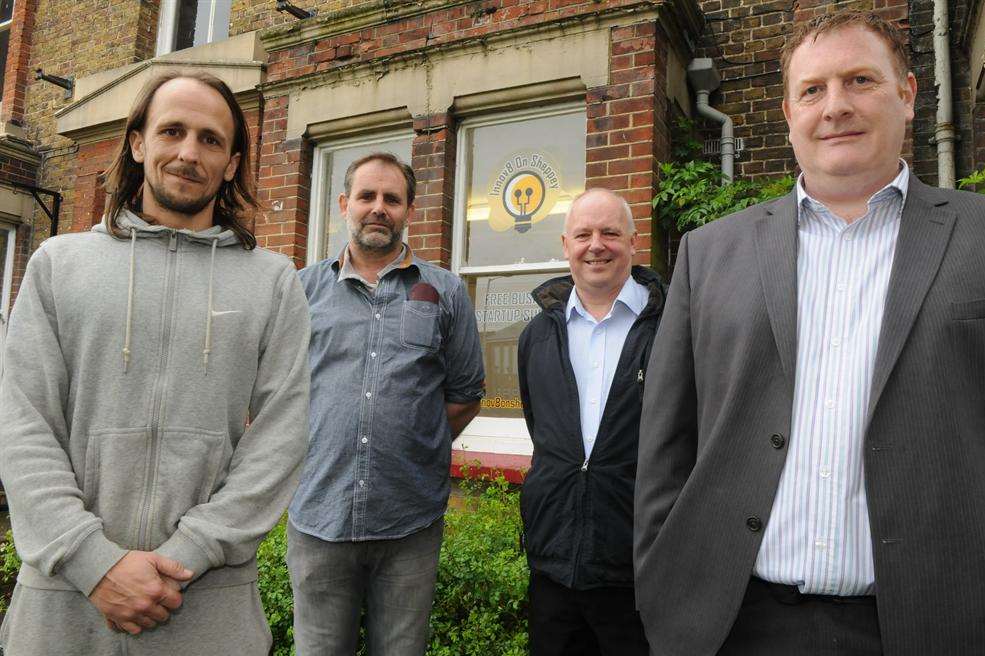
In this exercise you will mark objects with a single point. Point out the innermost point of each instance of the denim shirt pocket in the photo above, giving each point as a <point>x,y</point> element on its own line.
<point>419,325</point>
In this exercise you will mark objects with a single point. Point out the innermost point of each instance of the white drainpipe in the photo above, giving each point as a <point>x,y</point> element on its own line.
<point>944,133</point>
<point>728,140</point>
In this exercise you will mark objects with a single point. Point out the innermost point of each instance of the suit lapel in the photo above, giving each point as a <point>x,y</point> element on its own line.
<point>776,246</point>
<point>925,229</point>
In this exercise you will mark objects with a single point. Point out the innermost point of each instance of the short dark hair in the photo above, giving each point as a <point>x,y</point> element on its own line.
<point>386,158</point>
<point>125,177</point>
<point>892,35</point>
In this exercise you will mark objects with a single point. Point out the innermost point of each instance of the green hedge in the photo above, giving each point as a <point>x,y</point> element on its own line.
<point>480,600</point>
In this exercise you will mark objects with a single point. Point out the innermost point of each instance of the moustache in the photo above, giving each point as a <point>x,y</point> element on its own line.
<point>185,172</point>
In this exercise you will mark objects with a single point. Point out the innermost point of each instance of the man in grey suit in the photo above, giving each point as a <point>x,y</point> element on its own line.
<point>812,444</point>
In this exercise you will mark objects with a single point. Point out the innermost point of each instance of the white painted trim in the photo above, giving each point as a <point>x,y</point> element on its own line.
<point>320,168</point>
<point>496,435</point>
<point>166,26</point>
<point>8,270</point>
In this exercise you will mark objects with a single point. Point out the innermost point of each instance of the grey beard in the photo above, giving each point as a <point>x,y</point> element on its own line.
<point>374,242</point>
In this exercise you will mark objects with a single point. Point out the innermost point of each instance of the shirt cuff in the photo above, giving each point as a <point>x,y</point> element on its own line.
<point>95,556</point>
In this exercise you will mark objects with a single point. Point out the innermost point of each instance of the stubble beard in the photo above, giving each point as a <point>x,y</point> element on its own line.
<point>173,203</point>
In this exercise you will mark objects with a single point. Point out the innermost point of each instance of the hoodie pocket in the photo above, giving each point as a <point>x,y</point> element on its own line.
<point>187,474</point>
<point>140,489</point>
<point>116,472</point>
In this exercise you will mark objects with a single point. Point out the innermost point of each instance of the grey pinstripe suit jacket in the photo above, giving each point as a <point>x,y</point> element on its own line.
<point>721,386</point>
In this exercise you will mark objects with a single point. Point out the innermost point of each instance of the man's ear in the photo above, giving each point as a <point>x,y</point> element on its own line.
<point>908,91</point>
<point>343,203</point>
<point>634,242</point>
<point>136,140</point>
<point>231,168</point>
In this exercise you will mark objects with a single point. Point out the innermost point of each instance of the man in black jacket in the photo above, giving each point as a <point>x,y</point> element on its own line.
<point>581,365</point>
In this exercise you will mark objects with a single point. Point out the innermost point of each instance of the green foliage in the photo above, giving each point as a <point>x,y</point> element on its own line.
<point>10,564</point>
<point>691,192</point>
<point>976,180</point>
<point>481,594</point>
<point>275,589</point>
<point>480,597</point>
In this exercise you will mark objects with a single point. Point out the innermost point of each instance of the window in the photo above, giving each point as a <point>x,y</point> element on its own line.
<point>327,230</point>
<point>516,176</point>
<point>190,23</point>
<point>6,18</point>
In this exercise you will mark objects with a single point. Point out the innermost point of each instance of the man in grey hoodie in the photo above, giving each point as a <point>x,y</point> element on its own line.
<point>153,411</point>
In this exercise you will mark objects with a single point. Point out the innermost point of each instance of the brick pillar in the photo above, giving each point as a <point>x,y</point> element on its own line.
<point>284,185</point>
<point>433,160</point>
<point>18,59</point>
<point>89,199</point>
<point>627,128</point>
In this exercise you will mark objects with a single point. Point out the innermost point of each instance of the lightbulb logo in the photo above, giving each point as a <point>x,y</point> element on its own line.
<point>522,192</point>
<point>523,197</point>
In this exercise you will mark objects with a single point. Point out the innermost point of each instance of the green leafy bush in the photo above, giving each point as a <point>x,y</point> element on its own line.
<point>976,180</point>
<point>691,193</point>
<point>10,564</point>
<point>275,589</point>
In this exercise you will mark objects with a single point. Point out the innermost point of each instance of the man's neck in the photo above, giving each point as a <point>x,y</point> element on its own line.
<point>156,215</point>
<point>847,199</point>
<point>598,302</point>
<point>368,264</point>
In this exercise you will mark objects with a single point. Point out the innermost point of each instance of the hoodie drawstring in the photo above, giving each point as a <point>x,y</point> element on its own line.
<point>208,313</point>
<point>129,326</point>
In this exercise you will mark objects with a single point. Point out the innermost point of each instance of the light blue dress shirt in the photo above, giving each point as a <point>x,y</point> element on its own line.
<point>594,348</point>
<point>818,536</point>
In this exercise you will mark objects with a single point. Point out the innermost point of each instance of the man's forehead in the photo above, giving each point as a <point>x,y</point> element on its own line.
<point>183,100</point>
<point>596,209</point>
<point>375,173</point>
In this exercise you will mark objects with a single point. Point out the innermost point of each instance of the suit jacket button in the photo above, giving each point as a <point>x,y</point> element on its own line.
<point>777,441</point>
<point>754,524</point>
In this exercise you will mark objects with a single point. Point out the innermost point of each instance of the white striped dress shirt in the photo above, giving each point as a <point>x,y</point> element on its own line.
<point>818,535</point>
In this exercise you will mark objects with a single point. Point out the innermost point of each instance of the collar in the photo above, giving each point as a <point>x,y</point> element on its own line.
<point>633,295</point>
<point>898,184</point>
<point>344,267</point>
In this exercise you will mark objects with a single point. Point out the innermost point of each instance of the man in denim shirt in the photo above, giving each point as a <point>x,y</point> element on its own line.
<point>396,374</point>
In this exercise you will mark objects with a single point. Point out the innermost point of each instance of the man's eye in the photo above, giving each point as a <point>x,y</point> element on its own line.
<point>810,91</point>
<point>861,79</point>
<point>171,132</point>
<point>212,141</point>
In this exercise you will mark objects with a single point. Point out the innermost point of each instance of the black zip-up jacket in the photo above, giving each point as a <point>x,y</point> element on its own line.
<point>578,512</point>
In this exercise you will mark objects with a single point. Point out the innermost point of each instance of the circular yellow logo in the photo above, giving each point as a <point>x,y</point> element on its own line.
<point>522,192</point>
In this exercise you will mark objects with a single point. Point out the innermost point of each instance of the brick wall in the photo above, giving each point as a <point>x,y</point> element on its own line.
<point>627,127</point>
<point>627,130</point>
<point>75,38</point>
<point>284,185</point>
<point>18,55</point>
<point>744,37</point>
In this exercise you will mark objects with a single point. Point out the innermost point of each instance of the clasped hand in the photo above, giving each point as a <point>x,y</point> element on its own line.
<point>140,591</point>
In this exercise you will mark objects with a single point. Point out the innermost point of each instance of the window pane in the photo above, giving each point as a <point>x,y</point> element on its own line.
<point>522,176</point>
<point>6,10</point>
<point>336,234</point>
<point>503,307</point>
<point>220,20</point>
<point>186,24</point>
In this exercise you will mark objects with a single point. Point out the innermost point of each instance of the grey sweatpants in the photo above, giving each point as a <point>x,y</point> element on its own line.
<point>211,622</point>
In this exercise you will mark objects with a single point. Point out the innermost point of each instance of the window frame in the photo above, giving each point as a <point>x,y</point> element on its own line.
<point>319,204</point>
<point>499,435</point>
<point>167,26</point>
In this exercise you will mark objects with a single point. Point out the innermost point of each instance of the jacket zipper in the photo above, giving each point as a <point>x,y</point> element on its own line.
<point>157,416</point>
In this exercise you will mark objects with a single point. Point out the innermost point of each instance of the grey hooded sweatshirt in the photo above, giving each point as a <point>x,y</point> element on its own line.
<point>155,397</point>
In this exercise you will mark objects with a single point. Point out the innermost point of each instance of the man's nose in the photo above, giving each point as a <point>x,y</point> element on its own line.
<point>189,150</point>
<point>837,103</point>
<point>596,243</point>
<point>379,208</point>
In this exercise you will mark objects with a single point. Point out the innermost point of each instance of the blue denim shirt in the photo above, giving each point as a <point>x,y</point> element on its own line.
<point>382,369</point>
